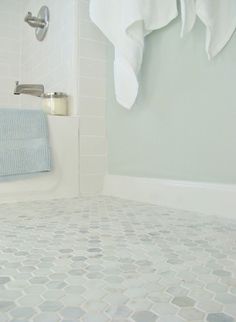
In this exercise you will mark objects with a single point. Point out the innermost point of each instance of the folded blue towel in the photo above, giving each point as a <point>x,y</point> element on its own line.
<point>24,144</point>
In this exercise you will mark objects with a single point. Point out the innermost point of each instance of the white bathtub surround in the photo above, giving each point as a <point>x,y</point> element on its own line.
<point>92,103</point>
<point>10,51</point>
<point>125,24</point>
<point>52,62</point>
<point>71,59</point>
<point>218,16</point>
<point>63,180</point>
<point>104,259</point>
<point>207,198</point>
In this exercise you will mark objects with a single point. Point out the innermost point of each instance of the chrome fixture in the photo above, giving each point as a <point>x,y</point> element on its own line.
<point>29,89</point>
<point>40,23</point>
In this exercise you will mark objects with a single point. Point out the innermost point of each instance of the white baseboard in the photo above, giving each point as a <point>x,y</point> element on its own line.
<point>208,198</point>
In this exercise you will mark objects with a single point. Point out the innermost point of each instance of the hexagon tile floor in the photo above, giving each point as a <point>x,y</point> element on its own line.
<point>104,259</point>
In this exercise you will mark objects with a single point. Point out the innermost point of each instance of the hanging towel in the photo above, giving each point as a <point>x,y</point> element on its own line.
<point>24,146</point>
<point>125,23</point>
<point>188,15</point>
<point>219,17</point>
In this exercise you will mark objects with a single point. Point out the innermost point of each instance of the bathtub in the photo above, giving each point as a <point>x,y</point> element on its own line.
<point>63,180</point>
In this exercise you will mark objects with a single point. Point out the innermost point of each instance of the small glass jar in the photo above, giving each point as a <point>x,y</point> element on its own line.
<point>55,103</point>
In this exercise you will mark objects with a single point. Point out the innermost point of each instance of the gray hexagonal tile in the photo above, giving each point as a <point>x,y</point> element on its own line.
<point>72,300</point>
<point>6,305</point>
<point>66,250</point>
<point>225,298</point>
<point>219,317</point>
<point>39,280</point>
<point>95,275</point>
<point>4,280</point>
<point>118,312</point>
<point>50,306</point>
<point>53,294</point>
<point>10,294</point>
<point>107,259</point>
<point>72,313</point>
<point>58,276</point>
<point>77,272</point>
<point>30,300</point>
<point>79,258</point>
<point>47,317</point>
<point>35,289</point>
<point>56,285</point>
<point>144,316</point>
<point>95,317</point>
<point>177,291</point>
<point>221,272</point>
<point>22,313</point>
<point>135,292</point>
<point>183,301</point>
<point>217,287</point>
<point>164,309</point>
<point>27,269</point>
<point>159,297</point>
<point>75,289</point>
<point>191,314</point>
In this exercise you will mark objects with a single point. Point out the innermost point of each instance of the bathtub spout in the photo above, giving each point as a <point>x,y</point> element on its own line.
<point>29,89</point>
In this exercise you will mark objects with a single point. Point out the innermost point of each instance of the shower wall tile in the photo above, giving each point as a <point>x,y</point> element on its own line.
<point>92,106</point>
<point>9,6</point>
<point>90,125</point>
<point>72,59</point>
<point>93,164</point>
<point>5,83</point>
<point>93,68</point>
<point>7,101</point>
<point>93,145</point>
<point>90,31</point>
<point>84,11</point>
<point>91,184</point>
<point>10,51</point>
<point>92,103</point>
<point>93,87</point>
<point>53,61</point>
<point>93,49</point>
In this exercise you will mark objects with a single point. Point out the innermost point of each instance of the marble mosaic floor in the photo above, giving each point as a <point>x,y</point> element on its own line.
<point>105,259</point>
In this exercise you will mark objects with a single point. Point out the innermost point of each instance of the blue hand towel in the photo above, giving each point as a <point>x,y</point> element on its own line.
<point>24,143</point>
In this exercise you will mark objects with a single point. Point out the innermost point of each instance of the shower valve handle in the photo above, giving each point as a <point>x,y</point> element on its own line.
<point>34,22</point>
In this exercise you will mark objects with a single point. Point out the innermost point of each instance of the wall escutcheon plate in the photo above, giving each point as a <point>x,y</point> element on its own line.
<point>44,16</point>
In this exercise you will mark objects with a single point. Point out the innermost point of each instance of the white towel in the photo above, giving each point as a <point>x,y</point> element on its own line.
<point>125,23</point>
<point>219,17</point>
<point>188,15</point>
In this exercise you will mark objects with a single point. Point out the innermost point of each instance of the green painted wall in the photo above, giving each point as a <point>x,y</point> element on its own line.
<point>183,125</point>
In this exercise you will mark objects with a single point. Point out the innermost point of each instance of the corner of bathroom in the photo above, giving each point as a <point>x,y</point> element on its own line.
<point>117,161</point>
<point>68,59</point>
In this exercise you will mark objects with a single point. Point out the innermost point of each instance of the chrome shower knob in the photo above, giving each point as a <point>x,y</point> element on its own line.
<point>40,23</point>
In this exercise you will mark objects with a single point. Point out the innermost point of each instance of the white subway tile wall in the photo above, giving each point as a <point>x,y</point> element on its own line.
<point>71,59</point>
<point>92,106</point>
<point>92,145</point>
<point>51,62</point>
<point>91,183</point>
<point>92,103</point>
<point>93,164</point>
<point>10,50</point>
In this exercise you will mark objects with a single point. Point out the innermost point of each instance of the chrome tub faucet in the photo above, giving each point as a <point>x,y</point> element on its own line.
<point>29,89</point>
